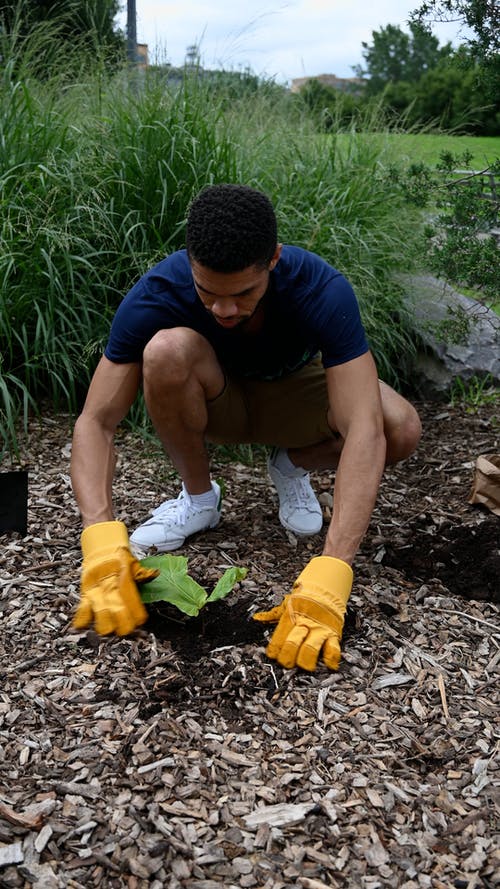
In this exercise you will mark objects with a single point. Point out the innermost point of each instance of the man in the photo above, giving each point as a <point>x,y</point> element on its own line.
<point>240,339</point>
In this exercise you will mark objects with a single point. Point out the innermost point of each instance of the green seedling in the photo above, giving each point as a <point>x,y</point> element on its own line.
<point>174,584</point>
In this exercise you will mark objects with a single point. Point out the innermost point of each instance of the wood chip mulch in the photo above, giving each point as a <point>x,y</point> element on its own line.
<point>183,757</point>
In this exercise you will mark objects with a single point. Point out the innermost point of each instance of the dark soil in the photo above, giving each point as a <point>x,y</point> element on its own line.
<point>217,625</point>
<point>465,559</point>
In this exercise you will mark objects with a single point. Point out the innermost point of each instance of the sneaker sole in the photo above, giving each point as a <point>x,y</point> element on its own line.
<point>296,531</point>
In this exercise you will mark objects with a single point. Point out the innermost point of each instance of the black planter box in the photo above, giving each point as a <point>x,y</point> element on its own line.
<point>14,502</point>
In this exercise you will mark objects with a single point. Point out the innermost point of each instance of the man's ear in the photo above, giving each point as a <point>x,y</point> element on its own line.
<point>275,259</point>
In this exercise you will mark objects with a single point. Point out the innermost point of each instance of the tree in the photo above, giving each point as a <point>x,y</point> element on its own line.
<point>396,56</point>
<point>483,19</point>
<point>451,92</point>
<point>447,96</point>
<point>330,108</point>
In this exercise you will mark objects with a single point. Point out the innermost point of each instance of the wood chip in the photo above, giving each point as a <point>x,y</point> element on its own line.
<point>392,679</point>
<point>279,815</point>
<point>12,854</point>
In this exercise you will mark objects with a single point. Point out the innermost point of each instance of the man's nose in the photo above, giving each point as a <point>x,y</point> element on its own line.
<point>224,307</point>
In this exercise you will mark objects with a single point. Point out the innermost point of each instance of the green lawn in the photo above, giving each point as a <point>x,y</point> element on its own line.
<point>427,147</point>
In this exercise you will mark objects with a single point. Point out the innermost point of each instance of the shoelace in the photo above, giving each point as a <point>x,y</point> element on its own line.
<point>176,510</point>
<point>298,490</point>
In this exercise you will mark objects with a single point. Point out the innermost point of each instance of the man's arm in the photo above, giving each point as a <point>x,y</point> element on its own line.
<point>311,619</point>
<point>111,393</point>
<point>356,412</point>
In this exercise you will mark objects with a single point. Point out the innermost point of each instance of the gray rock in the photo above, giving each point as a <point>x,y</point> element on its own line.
<point>441,316</point>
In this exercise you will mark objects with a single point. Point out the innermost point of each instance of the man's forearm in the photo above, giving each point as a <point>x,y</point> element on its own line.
<point>356,487</point>
<point>92,469</point>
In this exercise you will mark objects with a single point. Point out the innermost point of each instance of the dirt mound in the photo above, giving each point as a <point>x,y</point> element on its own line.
<point>465,558</point>
<point>218,625</point>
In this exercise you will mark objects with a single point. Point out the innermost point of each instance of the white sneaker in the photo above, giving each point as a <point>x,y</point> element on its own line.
<point>299,511</point>
<point>174,520</point>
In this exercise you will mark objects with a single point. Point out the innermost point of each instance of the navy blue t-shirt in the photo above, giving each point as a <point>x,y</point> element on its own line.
<point>309,308</point>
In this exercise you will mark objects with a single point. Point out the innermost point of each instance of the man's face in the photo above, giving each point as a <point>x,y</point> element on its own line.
<point>232,297</point>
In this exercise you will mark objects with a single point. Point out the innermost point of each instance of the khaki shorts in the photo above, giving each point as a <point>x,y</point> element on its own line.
<point>290,412</point>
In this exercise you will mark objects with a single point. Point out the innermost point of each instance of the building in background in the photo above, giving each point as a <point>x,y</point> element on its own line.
<point>142,56</point>
<point>344,84</point>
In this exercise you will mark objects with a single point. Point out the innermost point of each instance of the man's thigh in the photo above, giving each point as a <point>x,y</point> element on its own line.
<point>289,412</point>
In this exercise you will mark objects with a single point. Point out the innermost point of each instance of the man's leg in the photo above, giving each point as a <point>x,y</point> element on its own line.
<point>180,374</point>
<point>402,429</point>
<point>289,467</point>
<point>402,426</point>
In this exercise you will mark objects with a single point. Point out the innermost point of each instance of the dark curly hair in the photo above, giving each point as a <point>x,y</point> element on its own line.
<point>230,228</point>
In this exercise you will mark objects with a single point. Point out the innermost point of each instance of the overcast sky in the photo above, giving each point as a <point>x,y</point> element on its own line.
<point>276,39</point>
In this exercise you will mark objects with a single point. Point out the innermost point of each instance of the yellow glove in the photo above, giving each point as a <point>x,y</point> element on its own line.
<point>109,594</point>
<point>311,617</point>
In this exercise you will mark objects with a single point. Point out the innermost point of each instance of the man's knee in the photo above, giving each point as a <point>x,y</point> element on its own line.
<point>182,360</point>
<point>171,354</point>
<point>402,425</point>
<point>403,432</point>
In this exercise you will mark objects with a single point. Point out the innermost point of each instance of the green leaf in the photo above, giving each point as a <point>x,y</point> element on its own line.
<point>167,562</point>
<point>226,583</point>
<point>173,584</point>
